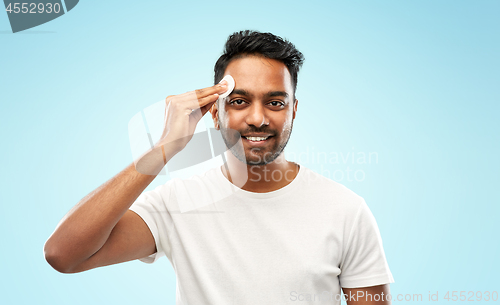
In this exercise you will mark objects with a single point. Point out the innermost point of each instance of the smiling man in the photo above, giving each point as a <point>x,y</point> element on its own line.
<point>259,112</point>
<point>282,234</point>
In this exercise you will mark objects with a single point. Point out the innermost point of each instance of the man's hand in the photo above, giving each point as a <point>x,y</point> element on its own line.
<point>375,295</point>
<point>182,114</point>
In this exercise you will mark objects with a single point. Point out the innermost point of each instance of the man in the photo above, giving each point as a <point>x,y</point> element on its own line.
<point>286,234</point>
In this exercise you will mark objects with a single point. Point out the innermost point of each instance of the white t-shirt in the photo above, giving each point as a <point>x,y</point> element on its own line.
<point>300,243</point>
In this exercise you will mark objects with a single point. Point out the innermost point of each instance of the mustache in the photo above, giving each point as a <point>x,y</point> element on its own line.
<point>259,130</point>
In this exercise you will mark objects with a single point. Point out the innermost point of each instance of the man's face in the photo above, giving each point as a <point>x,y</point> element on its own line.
<point>260,106</point>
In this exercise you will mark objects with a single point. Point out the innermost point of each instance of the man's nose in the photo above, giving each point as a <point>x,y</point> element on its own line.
<point>257,115</point>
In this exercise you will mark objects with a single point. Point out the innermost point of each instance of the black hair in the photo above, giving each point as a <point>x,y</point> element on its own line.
<point>247,42</point>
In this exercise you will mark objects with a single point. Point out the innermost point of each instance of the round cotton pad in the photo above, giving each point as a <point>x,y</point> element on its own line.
<point>230,86</point>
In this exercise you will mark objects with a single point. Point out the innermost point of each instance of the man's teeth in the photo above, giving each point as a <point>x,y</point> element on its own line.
<point>256,138</point>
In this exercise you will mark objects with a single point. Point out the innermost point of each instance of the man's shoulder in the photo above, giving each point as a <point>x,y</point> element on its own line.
<point>330,189</point>
<point>188,193</point>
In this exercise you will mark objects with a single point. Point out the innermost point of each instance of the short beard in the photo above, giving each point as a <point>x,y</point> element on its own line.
<point>231,138</point>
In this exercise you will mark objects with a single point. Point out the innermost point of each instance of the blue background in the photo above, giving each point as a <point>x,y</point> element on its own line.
<point>414,82</point>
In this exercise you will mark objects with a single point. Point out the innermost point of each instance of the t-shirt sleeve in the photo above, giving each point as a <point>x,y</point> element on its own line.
<point>364,263</point>
<point>151,207</point>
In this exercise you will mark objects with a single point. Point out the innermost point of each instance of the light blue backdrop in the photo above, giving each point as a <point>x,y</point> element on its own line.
<point>414,83</point>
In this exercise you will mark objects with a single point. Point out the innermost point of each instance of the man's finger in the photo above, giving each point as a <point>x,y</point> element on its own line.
<point>205,103</point>
<point>198,113</point>
<point>206,108</point>
<point>219,89</point>
<point>198,98</point>
<point>193,103</point>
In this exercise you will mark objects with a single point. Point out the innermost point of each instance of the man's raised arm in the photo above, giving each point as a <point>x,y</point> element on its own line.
<point>101,230</point>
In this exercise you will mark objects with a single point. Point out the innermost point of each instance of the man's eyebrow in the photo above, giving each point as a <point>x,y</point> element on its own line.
<point>268,94</point>
<point>276,93</point>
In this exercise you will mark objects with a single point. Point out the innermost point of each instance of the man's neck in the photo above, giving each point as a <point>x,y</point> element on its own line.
<point>260,178</point>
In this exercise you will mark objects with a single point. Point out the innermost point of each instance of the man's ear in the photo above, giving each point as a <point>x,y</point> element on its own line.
<point>215,111</point>
<point>295,107</point>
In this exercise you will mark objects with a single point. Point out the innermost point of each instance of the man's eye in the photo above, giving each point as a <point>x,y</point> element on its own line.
<point>237,102</point>
<point>276,103</point>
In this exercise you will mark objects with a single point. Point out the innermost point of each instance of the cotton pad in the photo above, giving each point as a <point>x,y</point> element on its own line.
<point>230,86</point>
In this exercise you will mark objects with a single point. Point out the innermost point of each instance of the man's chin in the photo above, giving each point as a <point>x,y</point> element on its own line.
<point>261,158</point>
<point>256,163</point>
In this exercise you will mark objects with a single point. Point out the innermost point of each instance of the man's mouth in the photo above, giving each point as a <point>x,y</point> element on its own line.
<point>257,139</point>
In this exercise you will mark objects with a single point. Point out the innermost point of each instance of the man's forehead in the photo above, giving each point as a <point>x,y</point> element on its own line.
<point>257,76</point>
<point>257,65</point>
